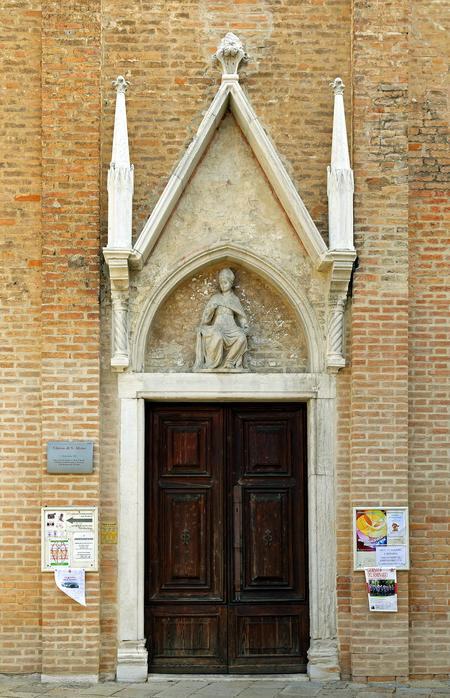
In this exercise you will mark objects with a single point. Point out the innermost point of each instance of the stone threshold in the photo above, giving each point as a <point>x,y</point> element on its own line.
<point>229,677</point>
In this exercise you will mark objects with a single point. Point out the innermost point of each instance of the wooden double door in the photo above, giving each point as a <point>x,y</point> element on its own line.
<point>226,555</point>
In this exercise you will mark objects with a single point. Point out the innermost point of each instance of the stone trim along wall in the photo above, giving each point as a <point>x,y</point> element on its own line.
<point>319,391</point>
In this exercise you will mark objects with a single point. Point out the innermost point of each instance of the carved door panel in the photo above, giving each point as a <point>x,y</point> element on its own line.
<point>185,587</point>
<point>226,582</point>
<point>268,608</point>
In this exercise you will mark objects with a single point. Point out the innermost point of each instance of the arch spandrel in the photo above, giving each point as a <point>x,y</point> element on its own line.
<point>228,212</point>
<point>294,312</point>
<point>276,339</point>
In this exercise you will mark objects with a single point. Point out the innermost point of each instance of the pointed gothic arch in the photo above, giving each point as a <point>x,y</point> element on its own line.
<point>317,387</point>
<point>229,254</point>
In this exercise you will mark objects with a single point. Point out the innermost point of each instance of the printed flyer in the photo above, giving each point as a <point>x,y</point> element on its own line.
<point>380,537</point>
<point>69,538</point>
<point>72,583</point>
<point>382,588</point>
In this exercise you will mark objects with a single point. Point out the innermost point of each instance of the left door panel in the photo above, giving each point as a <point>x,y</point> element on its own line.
<point>185,610</point>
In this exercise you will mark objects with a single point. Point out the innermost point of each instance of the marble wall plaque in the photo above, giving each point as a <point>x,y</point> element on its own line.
<point>70,456</point>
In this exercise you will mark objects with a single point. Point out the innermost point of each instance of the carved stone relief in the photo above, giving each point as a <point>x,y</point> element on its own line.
<point>221,337</point>
<point>273,341</point>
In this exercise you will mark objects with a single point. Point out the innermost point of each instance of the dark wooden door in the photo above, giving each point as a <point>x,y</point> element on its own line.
<point>226,558</point>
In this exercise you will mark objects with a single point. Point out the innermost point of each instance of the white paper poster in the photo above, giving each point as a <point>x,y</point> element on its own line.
<point>73,583</point>
<point>382,588</point>
<point>83,548</point>
<point>391,555</point>
<point>396,527</point>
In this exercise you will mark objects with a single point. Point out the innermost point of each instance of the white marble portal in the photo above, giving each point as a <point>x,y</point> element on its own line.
<point>318,390</point>
<point>315,287</point>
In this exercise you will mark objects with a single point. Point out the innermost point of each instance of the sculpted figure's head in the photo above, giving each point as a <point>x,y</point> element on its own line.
<point>226,279</point>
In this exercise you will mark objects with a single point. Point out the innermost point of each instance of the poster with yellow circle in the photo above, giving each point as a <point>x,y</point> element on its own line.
<point>371,529</point>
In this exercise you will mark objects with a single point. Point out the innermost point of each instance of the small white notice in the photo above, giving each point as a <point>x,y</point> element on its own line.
<point>70,538</point>
<point>396,527</point>
<point>390,555</point>
<point>83,548</point>
<point>73,583</point>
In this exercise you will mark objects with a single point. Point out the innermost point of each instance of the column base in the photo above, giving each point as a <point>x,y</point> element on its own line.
<point>323,661</point>
<point>132,661</point>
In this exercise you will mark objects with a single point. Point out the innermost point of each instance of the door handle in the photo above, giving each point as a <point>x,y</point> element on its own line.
<point>237,538</point>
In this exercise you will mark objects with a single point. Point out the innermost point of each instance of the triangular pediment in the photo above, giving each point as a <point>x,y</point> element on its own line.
<point>200,217</point>
<point>230,96</point>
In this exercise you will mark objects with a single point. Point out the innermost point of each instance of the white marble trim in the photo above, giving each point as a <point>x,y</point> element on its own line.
<point>319,391</point>
<point>229,253</point>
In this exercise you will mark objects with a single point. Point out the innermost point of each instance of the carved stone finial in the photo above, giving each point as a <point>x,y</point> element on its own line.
<point>120,84</point>
<point>338,86</point>
<point>230,54</point>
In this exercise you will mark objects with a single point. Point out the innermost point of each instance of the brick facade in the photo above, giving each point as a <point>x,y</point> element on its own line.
<point>393,433</point>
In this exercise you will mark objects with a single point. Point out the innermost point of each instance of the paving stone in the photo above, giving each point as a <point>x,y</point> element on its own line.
<point>378,687</point>
<point>186,687</point>
<point>181,688</point>
<point>27,687</point>
<point>154,687</point>
<point>31,687</point>
<point>64,692</point>
<point>342,693</point>
<point>7,691</point>
<point>259,689</point>
<point>109,688</point>
<point>301,689</point>
<point>143,690</point>
<point>222,689</point>
<point>259,693</point>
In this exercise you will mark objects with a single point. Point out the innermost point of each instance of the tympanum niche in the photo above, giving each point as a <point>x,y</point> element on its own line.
<point>222,335</point>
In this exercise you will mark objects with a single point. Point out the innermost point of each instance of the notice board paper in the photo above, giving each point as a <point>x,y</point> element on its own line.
<point>382,588</point>
<point>73,583</point>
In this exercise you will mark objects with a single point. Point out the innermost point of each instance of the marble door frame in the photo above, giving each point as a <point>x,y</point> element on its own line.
<point>319,391</point>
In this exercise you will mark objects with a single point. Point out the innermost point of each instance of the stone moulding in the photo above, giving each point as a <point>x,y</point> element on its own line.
<point>120,207</point>
<point>296,298</point>
<point>117,260</point>
<point>230,95</point>
<point>337,262</point>
<point>319,391</point>
<point>317,387</point>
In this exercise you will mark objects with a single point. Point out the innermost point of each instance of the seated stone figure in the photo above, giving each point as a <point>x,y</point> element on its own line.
<point>221,338</point>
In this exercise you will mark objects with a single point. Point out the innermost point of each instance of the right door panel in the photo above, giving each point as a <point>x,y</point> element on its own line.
<point>268,610</point>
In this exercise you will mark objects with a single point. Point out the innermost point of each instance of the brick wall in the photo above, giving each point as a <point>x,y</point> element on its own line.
<point>429,340</point>
<point>391,56</point>
<point>70,289</point>
<point>20,405</point>
<point>379,384</point>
